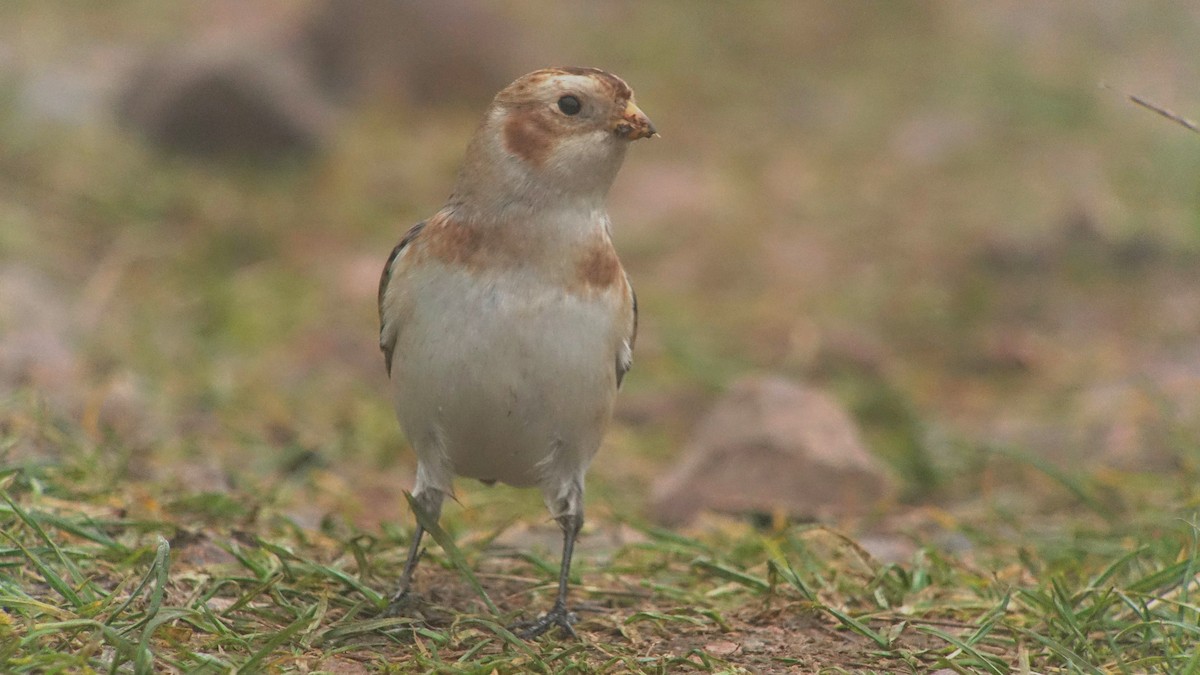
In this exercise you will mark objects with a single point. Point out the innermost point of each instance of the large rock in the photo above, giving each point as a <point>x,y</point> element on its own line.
<point>269,82</point>
<point>227,99</point>
<point>771,445</point>
<point>420,52</point>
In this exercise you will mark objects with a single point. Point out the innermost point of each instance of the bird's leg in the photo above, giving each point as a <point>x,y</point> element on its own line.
<point>558,615</point>
<point>430,502</point>
<point>414,554</point>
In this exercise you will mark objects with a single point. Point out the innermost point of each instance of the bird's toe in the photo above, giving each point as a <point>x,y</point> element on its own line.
<point>406,603</point>
<point>558,617</point>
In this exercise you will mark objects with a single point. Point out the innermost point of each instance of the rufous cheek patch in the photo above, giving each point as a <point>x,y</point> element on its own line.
<point>529,136</point>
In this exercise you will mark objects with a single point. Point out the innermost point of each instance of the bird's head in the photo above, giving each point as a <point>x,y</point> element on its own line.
<point>554,134</point>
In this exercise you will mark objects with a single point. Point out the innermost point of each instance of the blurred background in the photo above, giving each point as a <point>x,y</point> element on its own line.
<point>944,221</point>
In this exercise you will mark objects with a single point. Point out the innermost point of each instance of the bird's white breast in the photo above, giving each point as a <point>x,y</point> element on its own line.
<point>504,376</point>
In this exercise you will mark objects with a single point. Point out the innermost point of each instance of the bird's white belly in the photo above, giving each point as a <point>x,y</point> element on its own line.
<point>511,380</point>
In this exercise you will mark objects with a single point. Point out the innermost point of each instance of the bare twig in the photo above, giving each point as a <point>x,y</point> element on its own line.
<point>1186,123</point>
<point>1174,117</point>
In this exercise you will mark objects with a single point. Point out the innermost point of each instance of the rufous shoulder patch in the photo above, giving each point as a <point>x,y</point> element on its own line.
<point>599,268</point>
<point>452,241</point>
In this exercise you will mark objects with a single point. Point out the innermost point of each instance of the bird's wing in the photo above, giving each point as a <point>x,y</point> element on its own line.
<point>625,355</point>
<point>387,325</point>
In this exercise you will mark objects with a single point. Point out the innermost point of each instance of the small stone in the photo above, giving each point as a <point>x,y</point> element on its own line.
<point>721,648</point>
<point>888,548</point>
<point>753,646</point>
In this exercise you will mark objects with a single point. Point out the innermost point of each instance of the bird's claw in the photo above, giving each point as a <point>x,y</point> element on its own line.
<point>405,603</point>
<point>558,617</point>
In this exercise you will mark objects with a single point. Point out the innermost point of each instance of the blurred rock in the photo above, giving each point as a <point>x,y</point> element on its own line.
<point>227,99</point>
<point>722,648</point>
<point>770,445</point>
<point>888,547</point>
<point>1129,426</point>
<point>261,94</point>
<point>35,328</point>
<point>420,51</point>
<point>1079,240</point>
<point>40,352</point>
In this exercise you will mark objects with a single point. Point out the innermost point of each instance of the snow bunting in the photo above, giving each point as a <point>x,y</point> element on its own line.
<point>507,321</point>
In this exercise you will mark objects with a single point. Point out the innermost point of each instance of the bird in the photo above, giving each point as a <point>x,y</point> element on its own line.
<point>507,322</point>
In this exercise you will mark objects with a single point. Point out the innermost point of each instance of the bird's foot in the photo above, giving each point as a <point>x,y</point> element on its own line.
<point>558,617</point>
<point>406,603</point>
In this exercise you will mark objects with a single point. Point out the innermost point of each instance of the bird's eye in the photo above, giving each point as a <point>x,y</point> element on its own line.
<point>569,105</point>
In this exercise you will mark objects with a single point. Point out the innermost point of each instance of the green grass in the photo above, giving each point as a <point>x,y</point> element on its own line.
<point>100,575</point>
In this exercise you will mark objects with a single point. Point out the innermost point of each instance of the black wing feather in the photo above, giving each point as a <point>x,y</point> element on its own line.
<point>623,365</point>
<point>387,343</point>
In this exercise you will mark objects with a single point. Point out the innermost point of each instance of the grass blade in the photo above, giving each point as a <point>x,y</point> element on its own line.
<point>730,574</point>
<point>160,568</point>
<point>161,558</point>
<point>859,627</point>
<point>509,638</point>
<point>48,575</point>
<point>452,552</point>
<point>1072,483</point>
<point>987,661</point>
<point>1063,651</point>
<point>252,664</point>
